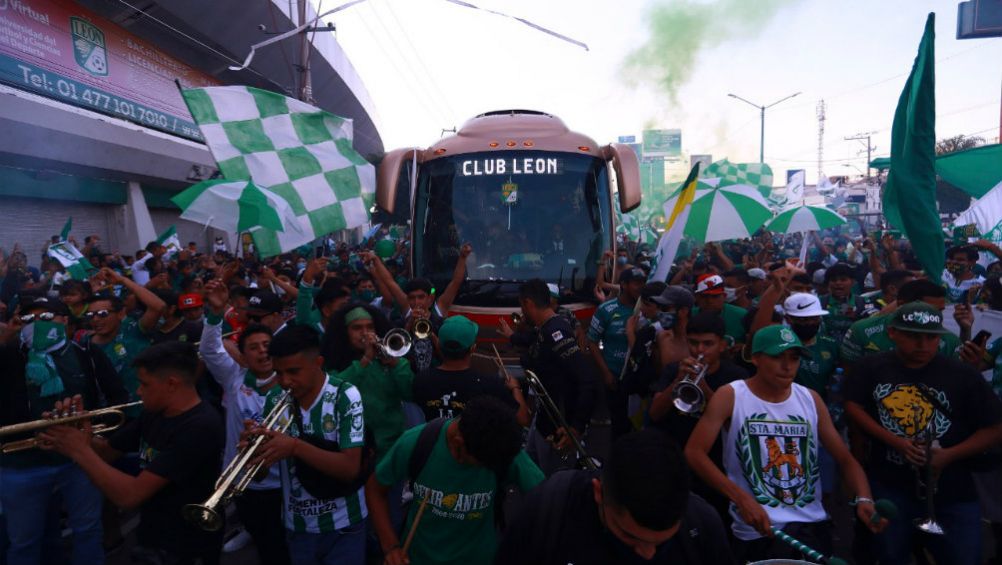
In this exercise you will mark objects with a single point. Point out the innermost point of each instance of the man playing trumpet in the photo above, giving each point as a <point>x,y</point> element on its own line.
<point>179,438</point>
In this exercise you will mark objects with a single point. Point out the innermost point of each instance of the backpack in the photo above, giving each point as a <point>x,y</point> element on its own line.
<point>422,452</point>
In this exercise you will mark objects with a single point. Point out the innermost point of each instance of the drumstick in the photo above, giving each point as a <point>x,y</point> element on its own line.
<point>417,518</point>
<point>501,363</point>
<point>810,553</point>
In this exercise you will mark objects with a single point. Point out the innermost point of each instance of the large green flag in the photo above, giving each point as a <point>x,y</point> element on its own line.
<point>910,194</point>
<point>65,234</point>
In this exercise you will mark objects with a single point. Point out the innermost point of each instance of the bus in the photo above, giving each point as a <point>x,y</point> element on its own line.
<point>532,197</point>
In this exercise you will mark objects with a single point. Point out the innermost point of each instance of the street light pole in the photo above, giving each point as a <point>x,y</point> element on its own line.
<point>762,109</point>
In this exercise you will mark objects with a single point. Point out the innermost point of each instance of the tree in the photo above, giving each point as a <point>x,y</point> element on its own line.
<point>958,143</point>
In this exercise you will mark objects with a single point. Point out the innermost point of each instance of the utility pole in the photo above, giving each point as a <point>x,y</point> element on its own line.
<point>305,90</point>
<point>821,135</point>
<point>762,109</point>
<point>869,149</point>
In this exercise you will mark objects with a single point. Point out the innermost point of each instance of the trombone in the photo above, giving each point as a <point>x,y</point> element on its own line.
<point>553,413</point>
<point>926,480</point>
<point>116,412</point>
<point>240,472</point>
<point>687,397</point>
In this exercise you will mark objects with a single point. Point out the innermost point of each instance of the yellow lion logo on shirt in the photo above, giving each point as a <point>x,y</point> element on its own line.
<point>909,409</point>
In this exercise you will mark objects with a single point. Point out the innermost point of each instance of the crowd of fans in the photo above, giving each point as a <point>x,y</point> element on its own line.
<point>823,374</point>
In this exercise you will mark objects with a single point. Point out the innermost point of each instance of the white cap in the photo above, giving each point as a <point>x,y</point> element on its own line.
<point>803,305</point>
<point>757,274</point>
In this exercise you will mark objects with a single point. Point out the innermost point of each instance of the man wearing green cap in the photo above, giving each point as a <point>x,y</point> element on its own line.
<point>771,428</point>
<point>443,391</point>
<point>920,408</point>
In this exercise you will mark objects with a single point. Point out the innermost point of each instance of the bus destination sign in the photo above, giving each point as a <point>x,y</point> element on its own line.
<point>511,166</point>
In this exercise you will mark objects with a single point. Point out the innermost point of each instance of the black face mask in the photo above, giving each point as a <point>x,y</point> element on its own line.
<point>805,332</point>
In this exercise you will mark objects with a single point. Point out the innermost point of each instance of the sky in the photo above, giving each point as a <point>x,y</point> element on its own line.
<point>430,65</point>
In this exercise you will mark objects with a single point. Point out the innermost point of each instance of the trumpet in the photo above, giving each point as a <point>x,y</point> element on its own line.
<point>422,328</point>
<point>687,397</point>
<point>240,472</point>
<point>116,412</point>
<point>553,413</point>
<point>396,343</point>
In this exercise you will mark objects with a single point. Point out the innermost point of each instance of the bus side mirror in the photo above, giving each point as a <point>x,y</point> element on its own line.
<point>388,175</point>
<point>627,168</point>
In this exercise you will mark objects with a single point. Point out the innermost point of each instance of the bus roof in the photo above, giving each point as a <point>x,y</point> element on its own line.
<point>507,130</point>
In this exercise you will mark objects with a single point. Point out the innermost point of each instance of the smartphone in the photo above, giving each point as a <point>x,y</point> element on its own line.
<point>982,337</point>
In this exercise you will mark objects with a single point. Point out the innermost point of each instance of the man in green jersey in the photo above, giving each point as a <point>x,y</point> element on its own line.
<point>869,336</point>
<point>326,437</point>
<point>472,457</point>
<point>710,297</point>
<point>843,304</point>
<point>120,336</point>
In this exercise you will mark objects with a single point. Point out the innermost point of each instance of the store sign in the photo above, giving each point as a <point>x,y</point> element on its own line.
<point>662,143</point>
<point>511,166</point>
<point>63,51</point>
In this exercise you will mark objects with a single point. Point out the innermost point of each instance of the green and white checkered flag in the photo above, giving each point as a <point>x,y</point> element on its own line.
<point>71,259</point>
<point>297,151</point>
<point>758,175</point>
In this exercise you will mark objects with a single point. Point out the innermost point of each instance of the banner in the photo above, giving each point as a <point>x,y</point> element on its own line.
<point>63,51</point>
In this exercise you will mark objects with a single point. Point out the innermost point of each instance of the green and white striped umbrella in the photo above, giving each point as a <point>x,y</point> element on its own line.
<point>804,219</point>
<point>734,211</point>
<point>235,206</point>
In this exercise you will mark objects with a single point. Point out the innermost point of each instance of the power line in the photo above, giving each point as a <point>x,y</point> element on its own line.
<point>427,72</point>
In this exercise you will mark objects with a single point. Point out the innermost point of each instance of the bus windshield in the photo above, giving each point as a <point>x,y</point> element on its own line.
<point>527,214</point>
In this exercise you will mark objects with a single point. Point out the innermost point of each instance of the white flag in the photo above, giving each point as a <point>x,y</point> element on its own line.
<point>795,190</point>
<point>985,212</point>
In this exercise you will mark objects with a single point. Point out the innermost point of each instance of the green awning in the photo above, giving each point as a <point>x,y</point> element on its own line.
<point>975,171</point>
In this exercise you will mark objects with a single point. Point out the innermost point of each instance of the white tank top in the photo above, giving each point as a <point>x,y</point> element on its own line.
<point>771,451</point>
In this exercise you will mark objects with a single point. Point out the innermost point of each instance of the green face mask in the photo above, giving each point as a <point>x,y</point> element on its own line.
<point>366,295</point>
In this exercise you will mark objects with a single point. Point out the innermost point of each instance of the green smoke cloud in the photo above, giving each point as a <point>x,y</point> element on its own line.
<point>680,29</point>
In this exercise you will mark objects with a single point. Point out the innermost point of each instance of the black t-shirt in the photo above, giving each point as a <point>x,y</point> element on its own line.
<point>559,523</point>
<point>641,371</point>
<point>893,396</point>
<point>187,331</point>
<point>442,393</point>
<point>186,450</point>
<point>569,378</point>
<point>679,426</point>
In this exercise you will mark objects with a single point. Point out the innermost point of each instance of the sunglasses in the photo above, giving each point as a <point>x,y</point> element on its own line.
<point>98,313</point>
<point>44,316</point>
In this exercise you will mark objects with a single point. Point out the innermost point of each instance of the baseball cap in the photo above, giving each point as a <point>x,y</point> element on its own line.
<point>803,305</point>
<point>53,305</point>
<point>458,333</point>
<point>918,317</point>
<point>189,301</point>
<point>630,275</point>
<point>774,340</point>
<point>675,295</point>
<point>709,284</point>
<point>264,301</point>
<point>757,273</point>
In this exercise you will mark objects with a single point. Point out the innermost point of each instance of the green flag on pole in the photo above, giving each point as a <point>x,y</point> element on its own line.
<point>170,240</point>
<point>910,194</point>
<point>78,267</point>
<point>65,234</point>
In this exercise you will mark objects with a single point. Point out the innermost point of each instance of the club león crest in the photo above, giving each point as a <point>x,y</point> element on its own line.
<point>906,412</point>
<point>779,460</point>
<point>89,47</point>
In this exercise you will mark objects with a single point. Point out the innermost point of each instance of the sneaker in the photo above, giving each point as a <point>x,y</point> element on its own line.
<point>237,542</point>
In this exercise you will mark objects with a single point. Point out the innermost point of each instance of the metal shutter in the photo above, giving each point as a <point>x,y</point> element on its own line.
<point>31,222</point>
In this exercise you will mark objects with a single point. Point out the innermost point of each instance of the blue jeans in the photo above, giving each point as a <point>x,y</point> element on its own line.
<point>25,495</point>
<point>961,521</point>
<point>342,547</point>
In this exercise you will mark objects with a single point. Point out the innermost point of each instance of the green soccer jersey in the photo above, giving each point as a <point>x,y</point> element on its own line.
<point>608,326</point>
<point>383,389</point>
<point>815,371</point>
<point>734,328</point>
<point>869,336</point>
<point>336,415</point>
<point>128,343</point>
<point>457,526</point>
